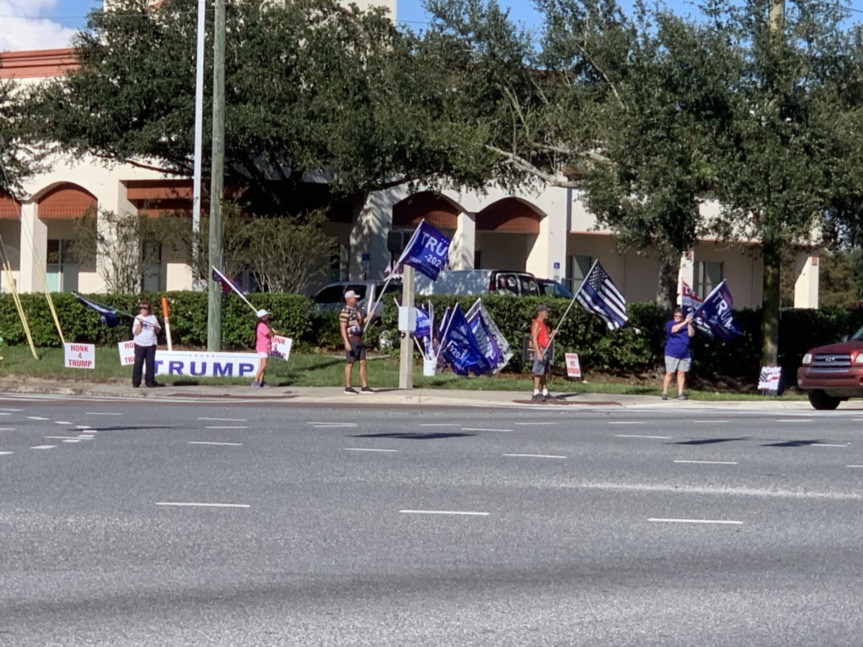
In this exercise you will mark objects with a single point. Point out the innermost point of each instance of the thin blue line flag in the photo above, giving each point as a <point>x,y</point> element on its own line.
<point>599,295</point>
<point>108,316</point>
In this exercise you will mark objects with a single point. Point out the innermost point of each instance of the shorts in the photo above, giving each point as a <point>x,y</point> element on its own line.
<point>541,366</point>
<point>357,351</point>
<point>260,354</point>
<point>673,364</point>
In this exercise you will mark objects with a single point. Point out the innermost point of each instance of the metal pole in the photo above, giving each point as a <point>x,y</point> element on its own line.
<point>217,180</point>
<point>199,128</point>
<point>406,356</point>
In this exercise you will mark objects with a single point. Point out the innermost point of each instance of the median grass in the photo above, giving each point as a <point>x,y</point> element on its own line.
<point>312,369</point>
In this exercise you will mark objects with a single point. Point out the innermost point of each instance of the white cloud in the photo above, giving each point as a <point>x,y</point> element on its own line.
<point>22,28</point>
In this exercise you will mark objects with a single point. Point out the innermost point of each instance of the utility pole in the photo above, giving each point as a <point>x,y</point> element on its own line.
<point>406,354</point>
<point>217,179</point>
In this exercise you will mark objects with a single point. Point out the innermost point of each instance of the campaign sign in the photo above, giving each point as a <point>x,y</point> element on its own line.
<point>768,379</point>
<point>281,347</point>
<point>127,353</point>
<point>204,364</point>
<point>80,355</point>
<point>573,368</point>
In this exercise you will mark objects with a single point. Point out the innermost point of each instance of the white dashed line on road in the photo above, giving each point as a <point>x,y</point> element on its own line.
<point>202,442</point>
<point>793,420</point>
<point>641,436</point>
<point>83,427</point>
<point>180,504</point>
<point>363,449</point>
<point>15,410</point>
<point>703,521</point>
<point>101,413</point>
<point>44,447</point>
<point>72,440</point>
<point>440,424</point>
<point>533,455</point>
<point>7,428</point>
<point>75,438</point>
<point>332,424</point>
<point>505,431</point>
<point>6,453</point>
<point>225,419</point>
<point>226,427</point>
<point>37,418</point>
<point>535,424</point>
<point>62,422</point>
<point>708,462</point>
<point>461,513</point>
<point>854,466</point>
<point>845,446</point>
<point>626,422</point>
<point>710,422</point>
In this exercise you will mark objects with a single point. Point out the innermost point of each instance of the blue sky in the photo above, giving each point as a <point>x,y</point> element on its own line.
<point>45,24</point>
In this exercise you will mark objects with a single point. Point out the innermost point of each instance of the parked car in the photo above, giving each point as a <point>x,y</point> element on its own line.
<point>833,373</point>
<point>331,297</point>
<point>550,288</point>
<point>479,282</point>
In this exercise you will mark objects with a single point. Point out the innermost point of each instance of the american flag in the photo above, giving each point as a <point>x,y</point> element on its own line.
<point>599,295</point>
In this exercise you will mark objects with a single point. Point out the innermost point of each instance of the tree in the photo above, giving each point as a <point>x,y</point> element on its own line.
<point>312,87</point>
<point>775,153</point>
<point>16,160</point>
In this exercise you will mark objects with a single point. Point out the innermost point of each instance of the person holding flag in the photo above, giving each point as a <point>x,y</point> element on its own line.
<point>145,330</point>
<point>351,328</point>
<point>263,345</point>
<point>540,340</point>
<point>678,357</point>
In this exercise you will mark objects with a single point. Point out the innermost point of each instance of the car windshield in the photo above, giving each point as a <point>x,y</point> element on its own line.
<point>857,336</point>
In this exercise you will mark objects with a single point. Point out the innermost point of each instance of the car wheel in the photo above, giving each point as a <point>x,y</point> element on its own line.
<point>823,402</point>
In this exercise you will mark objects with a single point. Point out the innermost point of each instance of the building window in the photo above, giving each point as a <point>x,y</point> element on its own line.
<point>61,270</point>
<point>577,267</point>
<point>477,260</point>
<point>152,257</point>
<point>708,274</point>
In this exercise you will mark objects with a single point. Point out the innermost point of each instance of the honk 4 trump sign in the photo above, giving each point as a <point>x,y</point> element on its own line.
<point>80,355</point>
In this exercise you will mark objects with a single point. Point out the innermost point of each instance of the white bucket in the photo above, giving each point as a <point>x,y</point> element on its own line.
<point>429,367</point>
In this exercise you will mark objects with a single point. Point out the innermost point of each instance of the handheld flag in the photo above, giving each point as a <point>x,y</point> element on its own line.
<point>717,313</point>
<point>109,316</point>
<point>599,295</point>
<point>228,285</point>
<point>427,251</point>
<point>689,303</point>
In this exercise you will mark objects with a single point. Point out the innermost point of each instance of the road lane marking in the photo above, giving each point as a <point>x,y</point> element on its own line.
<point>75,438</point>
<point>83,427</point>
<point>440,424</point>
<point>226,427</point>
<point>71,440</point>
<point>62,422</point>
<point>3,413</point>
<point>854,466</point>
<point>708,462</point>
<point>203,442</point>
<point>535,424</point>
<point>462,513</point>
<point>7,428</point>
<point>830,445</point>
<point>363,449</point>
<point>793,420</point>
<point>191,504</point>
<point>226,419</point>
<point>709,422</point>
<point>334,424</point>
<point>506,431</point>
<point>799,494</point>
<point>640,436</point>
<point>7,409</point>
<point>6,453</point>
<point>705,521</point>
<point>626,422</point>
<point>101,413</point>
<point>533,455</point>
<point>44,447</point>
<point>36,418</point>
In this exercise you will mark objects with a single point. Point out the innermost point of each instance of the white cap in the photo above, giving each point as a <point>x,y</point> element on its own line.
<point>262,313</point>
<point>350,294</point>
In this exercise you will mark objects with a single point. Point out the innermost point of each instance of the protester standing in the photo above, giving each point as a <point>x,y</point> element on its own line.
<point>145,330</point>
<point>351,327</point>
<point>263,346</point>
<point>678,356</point>
<point>540,341</point>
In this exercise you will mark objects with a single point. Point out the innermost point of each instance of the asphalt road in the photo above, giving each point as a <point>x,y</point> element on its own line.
<point>155,523</point>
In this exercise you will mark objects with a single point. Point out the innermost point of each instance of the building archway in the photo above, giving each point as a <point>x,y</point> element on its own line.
<point>506,232</point>
<point>437,210</point>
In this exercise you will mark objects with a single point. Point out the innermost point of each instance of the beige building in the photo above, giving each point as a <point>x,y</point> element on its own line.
<point>547,232</point>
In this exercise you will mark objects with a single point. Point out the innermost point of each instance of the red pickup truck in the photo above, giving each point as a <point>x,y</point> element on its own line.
<point>831,374</point>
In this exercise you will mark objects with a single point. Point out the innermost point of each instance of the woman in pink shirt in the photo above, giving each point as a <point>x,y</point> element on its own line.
<point>263,345</point>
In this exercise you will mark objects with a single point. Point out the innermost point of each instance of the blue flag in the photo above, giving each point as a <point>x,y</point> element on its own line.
<point>717,313</point>
<point>460,347</point>
<point>494,345</point>
<point>109,316</point>
<point>427,251</point>
<point>423,328</point>
<point>599,295</point>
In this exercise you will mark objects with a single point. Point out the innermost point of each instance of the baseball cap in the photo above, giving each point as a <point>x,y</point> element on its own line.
<point>350,294</point>
<point>262,313</point>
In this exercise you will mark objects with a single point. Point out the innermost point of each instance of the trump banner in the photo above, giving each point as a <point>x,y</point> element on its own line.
<point>427,251</point>
<point>717,314</point>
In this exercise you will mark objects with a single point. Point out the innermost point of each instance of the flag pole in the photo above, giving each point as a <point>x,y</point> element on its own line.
<point>239,294</point>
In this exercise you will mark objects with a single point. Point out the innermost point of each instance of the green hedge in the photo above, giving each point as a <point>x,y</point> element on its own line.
<point>635,349</point>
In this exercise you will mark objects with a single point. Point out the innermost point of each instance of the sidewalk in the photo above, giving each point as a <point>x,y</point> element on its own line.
<point>388,397</point>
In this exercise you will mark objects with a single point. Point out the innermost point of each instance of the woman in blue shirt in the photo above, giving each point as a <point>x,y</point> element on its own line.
<point>678,357</point>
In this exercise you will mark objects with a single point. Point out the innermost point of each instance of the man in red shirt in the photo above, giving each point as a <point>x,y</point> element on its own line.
<point>540,341</point>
